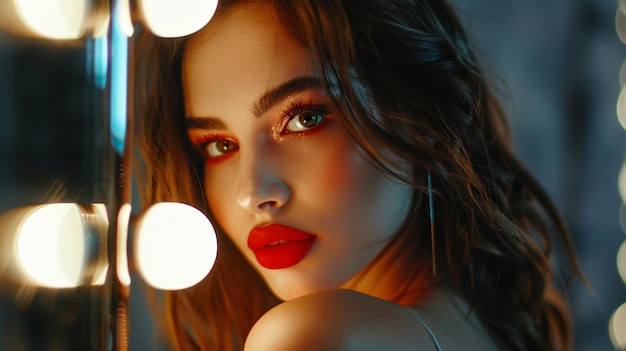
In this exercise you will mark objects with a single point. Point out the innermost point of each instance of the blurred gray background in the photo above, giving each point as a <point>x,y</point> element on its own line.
<point>559,61</point>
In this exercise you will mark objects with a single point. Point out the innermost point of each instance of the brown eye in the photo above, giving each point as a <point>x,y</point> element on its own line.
<point>219,148</point>
<point>303,121</point>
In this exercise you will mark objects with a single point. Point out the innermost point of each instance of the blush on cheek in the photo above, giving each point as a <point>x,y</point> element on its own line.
<point>338,165</point>
<point>337,175</point>
<point>347,179</point>
<point>373,201</point>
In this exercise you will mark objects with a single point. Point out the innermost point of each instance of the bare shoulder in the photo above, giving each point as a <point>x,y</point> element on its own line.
<point>338,320</point>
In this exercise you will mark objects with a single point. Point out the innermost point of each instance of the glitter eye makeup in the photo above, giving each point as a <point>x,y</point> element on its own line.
<point>302,119</point>
<point>305,113</point>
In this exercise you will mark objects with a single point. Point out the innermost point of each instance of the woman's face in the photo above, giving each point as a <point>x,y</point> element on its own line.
<point>282,176</point>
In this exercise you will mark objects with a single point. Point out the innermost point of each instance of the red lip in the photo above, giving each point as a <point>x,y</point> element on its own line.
<point>278,246</point>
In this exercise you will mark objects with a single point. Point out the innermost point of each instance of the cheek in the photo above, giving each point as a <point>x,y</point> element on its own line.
<point>348,171</point>
<point>352,187</point>
<point>337,173</point>
<point>331,172</point>
<point>220,194</point>
<point>364,199</point>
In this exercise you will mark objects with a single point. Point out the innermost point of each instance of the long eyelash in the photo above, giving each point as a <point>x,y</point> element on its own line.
<point>199,146</point>
<point>199,143</point>
<point>296,108</point>
<point>299,106</point>
<point>203,139</point>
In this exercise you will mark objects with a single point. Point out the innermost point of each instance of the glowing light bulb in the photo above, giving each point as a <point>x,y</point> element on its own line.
<point>123,219</point>
<point>620,109</point>
<point>57,19</point>
<point>122,21</point>
<point>175,246</point>
<point>621,183</point>
<point>50,246</point>
<point>170,19</point>
<point>617,328</point>
<point>621,261</point>
<point>55,245</point>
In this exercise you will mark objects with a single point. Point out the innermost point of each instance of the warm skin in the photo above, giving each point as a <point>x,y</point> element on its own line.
<point>310,178</point>
<point>292,162</point>
<point>344,320</point>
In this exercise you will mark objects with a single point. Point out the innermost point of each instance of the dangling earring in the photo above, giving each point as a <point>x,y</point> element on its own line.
<point>431,213</point>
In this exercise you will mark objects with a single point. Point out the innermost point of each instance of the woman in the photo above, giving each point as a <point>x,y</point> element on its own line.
<point>360,175</point>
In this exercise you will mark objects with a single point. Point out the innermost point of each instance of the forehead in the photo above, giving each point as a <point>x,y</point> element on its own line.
<point>238,56</point>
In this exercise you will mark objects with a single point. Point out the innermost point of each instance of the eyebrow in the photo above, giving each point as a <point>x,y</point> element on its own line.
<point>283,91</point>
<point>204,123</point>
<point>268,100</point>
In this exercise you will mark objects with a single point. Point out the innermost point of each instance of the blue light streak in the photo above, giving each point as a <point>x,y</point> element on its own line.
<point>119,83</point>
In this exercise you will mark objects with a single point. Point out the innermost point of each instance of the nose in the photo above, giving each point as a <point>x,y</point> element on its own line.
<point>260,187</point>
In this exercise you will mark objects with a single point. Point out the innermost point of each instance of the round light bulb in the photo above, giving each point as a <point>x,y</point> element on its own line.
<point>621,180</point>
<point>617,328</point>
<point>171,19</point>
<point>621,261</point>
<point>50,245</point>
<point>59,245</point>
<point>56,19</point>
<point>175,246</point>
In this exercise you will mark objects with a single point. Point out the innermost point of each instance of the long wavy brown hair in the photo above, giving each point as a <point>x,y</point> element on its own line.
<point>407,87</point>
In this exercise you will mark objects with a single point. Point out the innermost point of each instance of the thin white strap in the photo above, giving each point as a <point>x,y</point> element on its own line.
<point>432,335</point>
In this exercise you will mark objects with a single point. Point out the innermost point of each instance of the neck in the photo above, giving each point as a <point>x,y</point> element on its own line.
<point>395,275</point>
